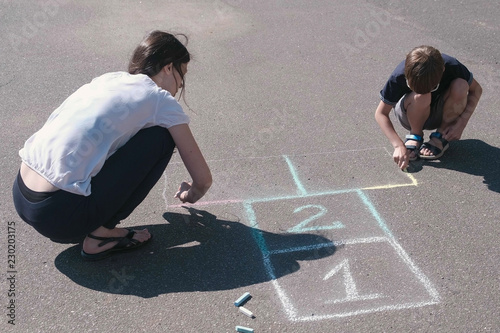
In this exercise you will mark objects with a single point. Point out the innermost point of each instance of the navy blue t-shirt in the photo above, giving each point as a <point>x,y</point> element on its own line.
<point>396,87</point>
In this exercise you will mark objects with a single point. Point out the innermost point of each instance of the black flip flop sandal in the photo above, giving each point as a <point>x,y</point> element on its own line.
<point>125,244</point>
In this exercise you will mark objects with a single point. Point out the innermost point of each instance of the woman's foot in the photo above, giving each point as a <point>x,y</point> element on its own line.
<point>91,245</point>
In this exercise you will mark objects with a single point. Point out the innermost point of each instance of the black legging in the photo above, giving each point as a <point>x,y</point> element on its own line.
<point>120,186</point>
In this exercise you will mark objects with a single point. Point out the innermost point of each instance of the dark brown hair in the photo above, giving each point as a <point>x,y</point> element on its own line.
<point>424,68</point>
<point>158,49</point>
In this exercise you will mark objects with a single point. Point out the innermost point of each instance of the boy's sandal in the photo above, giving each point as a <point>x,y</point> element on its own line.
<point>436,152</point>
<point>125,244</point>
<point>414,148</point>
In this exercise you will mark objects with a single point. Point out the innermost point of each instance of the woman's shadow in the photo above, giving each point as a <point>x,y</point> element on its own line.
<point>196,251</point>
<point>474,157</point>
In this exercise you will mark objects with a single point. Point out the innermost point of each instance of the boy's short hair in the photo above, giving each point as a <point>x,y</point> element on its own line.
<point>424,69</point>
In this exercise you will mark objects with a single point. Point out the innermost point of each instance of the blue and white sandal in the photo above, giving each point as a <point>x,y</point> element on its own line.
<point>436,152</point>
<point>414,148</point>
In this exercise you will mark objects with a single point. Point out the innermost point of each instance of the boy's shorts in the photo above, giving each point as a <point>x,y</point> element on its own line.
<point>434,120</point>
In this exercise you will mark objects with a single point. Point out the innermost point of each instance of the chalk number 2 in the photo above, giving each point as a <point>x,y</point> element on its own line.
<point>302,226</point>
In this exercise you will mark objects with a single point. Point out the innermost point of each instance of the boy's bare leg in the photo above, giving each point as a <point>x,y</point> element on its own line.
<point>455,100</point>
<point>418,109</point>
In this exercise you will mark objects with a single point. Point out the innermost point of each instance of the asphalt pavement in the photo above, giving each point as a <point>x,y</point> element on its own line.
<point>308,212</point>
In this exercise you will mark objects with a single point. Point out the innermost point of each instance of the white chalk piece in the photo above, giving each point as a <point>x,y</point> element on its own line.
<point>246,312</point>
<point>243,298</point>
<point>244,329</point>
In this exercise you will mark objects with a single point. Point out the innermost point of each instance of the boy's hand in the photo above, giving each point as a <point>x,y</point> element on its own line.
<point>401,157</point>
<point>455,130</point>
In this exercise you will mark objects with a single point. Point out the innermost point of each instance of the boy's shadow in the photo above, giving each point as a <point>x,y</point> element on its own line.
<point>474,157</point>
<point>194,252</point>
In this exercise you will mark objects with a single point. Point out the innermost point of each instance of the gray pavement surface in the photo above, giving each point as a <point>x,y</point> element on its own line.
<point>308,212</point>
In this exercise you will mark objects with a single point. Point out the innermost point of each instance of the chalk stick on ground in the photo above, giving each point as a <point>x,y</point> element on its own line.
<point>246,312</point>
<point>242,299</point>
<point>244,329</point>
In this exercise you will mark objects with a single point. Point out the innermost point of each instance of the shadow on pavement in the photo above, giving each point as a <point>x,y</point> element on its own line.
<point>192,252</point>
<point>474,157</point>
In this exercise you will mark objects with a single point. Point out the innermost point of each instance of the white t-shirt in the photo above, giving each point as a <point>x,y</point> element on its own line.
<point>92,123</point>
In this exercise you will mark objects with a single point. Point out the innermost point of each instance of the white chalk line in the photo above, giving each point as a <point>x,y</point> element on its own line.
<point>330,244</point>
<point>243,201</point>
<point>300,188</point>
<point>364,311</point>
<point>285,300</point>
<point>262,244</point>
<point>207,203</point>
<point>285,197</point>
<point>164,192</point>
<point>355,298</point>
<point>350,286</point>
<point>421,276</point>
<point>302,192</point>
<point>287,304</point>
<point>292,312</point>
<point>399,250</point>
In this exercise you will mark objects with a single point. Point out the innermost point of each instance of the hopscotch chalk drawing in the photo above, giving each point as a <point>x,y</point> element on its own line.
<point>369,271</point>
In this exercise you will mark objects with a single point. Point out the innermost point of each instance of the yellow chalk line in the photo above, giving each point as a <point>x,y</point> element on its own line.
<point>413,183</point>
